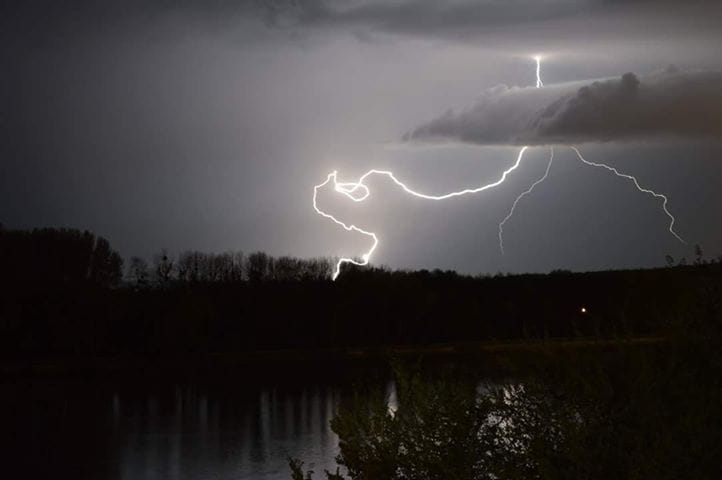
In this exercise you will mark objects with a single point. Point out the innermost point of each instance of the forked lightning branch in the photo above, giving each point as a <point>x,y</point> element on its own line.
<point>358,191</point>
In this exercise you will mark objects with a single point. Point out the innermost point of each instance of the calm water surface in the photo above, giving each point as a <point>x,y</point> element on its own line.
<point>166,430</point>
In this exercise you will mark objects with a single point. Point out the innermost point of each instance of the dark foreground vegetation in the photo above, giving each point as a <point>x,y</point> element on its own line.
<point>66,293</point>
<point>630,413</point>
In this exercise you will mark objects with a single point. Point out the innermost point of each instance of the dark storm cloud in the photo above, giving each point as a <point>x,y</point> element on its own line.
<point>492,19</point>
<point>418,17</point>
<point>670,103</point>
<point>458,19</point>
<point>426,17</point>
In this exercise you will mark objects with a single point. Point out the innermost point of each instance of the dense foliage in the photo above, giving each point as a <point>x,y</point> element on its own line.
<point>632,413</point>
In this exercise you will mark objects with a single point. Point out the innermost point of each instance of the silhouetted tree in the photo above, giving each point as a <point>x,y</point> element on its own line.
<point>236,273</point>
<point>106,267</point>
<point>163,267</point>
<point>699,254</point>
<point>670,260</point>
<point>138,271</point>
<point>257,267</point>
<point>190,266</point>
<point>288,269</point>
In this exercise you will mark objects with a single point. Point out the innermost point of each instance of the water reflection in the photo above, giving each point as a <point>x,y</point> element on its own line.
<point>212,435</point>
<point>127,431</point>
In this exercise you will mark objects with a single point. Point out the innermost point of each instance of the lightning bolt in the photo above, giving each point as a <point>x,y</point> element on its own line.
<point>639,187</point>
<point>539,82</point>
<point>351,228</point>
<point>523,194</point>
<point>350,189</point>
<point>358,192</point>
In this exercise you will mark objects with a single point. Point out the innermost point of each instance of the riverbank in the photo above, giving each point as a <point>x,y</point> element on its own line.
<point>492,354</point>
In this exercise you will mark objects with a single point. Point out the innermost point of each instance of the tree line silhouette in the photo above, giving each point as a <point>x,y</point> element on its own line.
<point>51,257</point>
<point>67,292</point>
<point>230,267</point>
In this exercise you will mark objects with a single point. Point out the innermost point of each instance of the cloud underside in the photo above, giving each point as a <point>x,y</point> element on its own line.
<point>666,104</point>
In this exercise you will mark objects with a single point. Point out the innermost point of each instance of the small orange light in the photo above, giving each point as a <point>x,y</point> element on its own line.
<point>583,310</point>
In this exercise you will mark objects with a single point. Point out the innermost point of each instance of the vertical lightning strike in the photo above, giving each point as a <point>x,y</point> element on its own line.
<point>539,82</point>
<point>639,187</point>
<point>350,188</point>
<point>523,194</point>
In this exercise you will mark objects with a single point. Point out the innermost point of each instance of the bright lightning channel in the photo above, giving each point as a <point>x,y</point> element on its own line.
<point>639,187</point>
<point>523,194</point>
<point>539,82</point>
<point>351,188</point>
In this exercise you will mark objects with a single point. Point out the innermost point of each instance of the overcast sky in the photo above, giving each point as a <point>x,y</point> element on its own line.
<point>206,124</point>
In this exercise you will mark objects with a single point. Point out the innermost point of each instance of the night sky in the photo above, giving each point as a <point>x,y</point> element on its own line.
<point>205,125</point>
